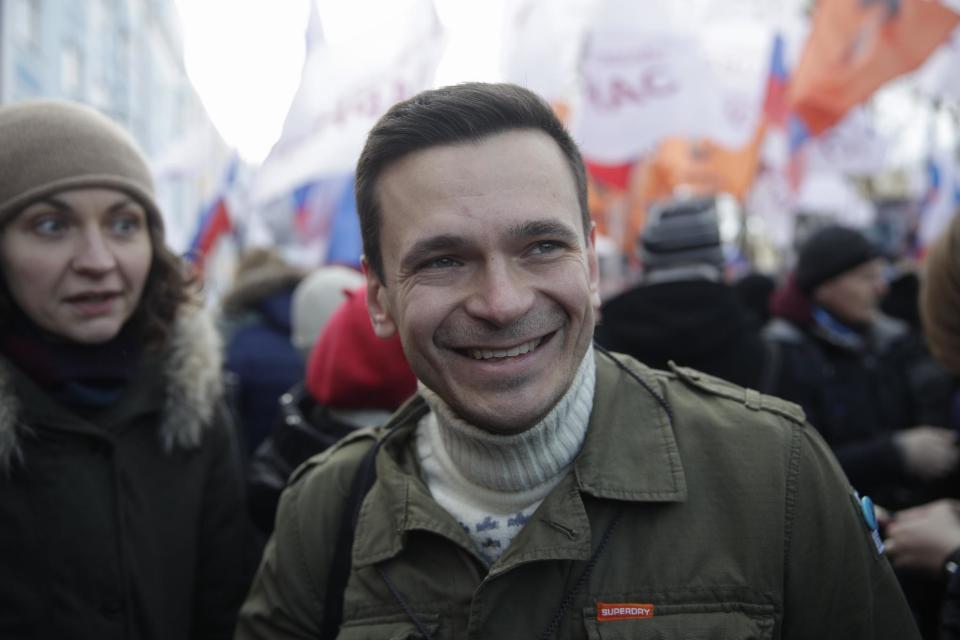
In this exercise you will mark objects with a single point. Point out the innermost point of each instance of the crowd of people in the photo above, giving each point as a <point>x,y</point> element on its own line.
<point>501,452</point>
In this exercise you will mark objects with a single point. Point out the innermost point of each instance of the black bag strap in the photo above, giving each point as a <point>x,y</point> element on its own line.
<point>340,567</point>
<point>772,363</point>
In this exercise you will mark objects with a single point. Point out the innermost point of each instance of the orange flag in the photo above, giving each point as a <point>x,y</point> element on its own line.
<point>856,46</point>
<point>694,167</point>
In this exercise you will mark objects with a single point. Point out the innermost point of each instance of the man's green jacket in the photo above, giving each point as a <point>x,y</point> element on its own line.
<point>696,509</point>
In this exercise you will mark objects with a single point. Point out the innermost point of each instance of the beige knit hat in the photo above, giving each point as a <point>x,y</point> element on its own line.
<point>51,146</point>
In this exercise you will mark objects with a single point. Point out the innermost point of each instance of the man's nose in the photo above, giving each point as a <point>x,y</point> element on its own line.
<point>500,293</point>
<point>93,253</point>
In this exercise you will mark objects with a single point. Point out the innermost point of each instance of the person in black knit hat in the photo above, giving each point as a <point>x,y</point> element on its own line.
<point>683,310</point>
<point>927,538</point>
<point>831,252</point>
<point>865,381</point>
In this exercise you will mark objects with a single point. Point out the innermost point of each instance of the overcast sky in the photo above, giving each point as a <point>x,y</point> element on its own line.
<point>245,56</point>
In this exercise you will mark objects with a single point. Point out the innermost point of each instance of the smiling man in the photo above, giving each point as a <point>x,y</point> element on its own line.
<point>489,274</point>
<point>535,486</point>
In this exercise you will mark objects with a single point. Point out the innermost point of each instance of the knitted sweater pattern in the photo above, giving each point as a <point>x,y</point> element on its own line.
<point>492,483</point>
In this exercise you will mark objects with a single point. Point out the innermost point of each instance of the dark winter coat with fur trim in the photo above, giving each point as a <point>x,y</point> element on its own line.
<point>259,352</point>
<point>129,525</point>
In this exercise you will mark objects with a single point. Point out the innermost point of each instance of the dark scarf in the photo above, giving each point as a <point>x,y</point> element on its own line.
<point>82,376</point>
<point>791,303</point>
<point>852,337</point>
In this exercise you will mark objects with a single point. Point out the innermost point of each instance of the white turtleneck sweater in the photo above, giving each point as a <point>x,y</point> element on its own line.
<point>492,483</point>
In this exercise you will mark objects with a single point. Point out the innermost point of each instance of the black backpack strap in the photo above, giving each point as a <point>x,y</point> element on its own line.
<point>772,363</point>
<point>340,567</point>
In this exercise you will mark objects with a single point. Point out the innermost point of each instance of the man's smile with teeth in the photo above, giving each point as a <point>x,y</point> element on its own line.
<point>488,354</point>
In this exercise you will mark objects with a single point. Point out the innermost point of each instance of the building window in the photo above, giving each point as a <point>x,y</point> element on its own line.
<point>98,13</point>
<point>100,96</point>
<point>28,22</point>
<point>71,70</point>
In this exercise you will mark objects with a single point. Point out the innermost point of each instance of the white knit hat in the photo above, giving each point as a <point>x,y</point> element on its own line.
<point>316,298</point>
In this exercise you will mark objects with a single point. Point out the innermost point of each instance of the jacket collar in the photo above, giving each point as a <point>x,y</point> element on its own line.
<point>191,382</point>
<point>630,454</point>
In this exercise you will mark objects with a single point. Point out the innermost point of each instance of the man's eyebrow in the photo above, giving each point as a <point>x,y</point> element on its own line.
<point>423,249</point>
<point>448,242</point>
<point>550,228</point>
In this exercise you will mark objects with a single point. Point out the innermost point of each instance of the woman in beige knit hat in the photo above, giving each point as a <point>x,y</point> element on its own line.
<point>121,511</point>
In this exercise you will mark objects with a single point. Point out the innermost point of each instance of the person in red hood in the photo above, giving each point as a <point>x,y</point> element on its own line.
<point>354,379</point>
<point>357,376</point>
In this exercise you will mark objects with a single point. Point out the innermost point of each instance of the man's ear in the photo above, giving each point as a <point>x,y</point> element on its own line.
<point>593,266</point>
<point>377,302</point>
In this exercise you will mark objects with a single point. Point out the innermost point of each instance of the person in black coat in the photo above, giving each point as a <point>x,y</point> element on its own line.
<point>260,353</point>
<point>927,538</point>
<point>121,497</point>
<point>866,382</point>
<point>755,290</point>
<point>354,380</point>
<point>864,379</point>
<point>683,310</point>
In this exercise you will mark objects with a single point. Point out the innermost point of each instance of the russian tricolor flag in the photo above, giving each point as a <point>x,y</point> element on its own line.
<point>327,209</point>
<point>215,220</point>
<point>775,102</point>
<point>776,110</point>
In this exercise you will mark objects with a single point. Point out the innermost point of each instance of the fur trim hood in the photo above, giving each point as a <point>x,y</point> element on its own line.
<point>255,285</point>
<point>192,376</point>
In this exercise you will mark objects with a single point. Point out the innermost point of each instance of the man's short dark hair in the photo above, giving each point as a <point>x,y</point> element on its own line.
<point>460,113</point>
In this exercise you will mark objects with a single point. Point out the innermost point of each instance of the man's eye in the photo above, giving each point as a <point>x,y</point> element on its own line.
<point>546,247</point>
<point>443,262</point>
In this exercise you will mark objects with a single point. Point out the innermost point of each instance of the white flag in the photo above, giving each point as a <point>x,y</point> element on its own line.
<point>644,80</point>
<point>834,197</point>
<point>342,93</point>
<point>541,45</point>
<point>853,146</point>
<point>939,76</point>
<point>738,53</point>
<point>953,4</point>
<point>940,199</point>
<point>771,202</point>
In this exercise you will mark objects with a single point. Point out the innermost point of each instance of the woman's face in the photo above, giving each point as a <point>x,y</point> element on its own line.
<point>76,262</point>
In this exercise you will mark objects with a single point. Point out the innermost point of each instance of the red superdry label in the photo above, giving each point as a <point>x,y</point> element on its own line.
<point>607,611</point>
